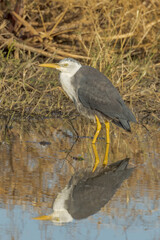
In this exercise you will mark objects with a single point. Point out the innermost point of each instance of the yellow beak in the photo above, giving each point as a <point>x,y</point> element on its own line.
<point>50,65</point>
<point>49,217</point>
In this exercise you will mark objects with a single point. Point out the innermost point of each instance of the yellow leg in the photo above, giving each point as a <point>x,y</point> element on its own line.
<point>96,157</point>
<point>107,132</point>
<point>98,130</point>
<point>105,162</point>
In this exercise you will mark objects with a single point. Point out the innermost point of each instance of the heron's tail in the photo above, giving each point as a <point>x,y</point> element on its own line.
<point>120,165</point>
<point>123,124</point>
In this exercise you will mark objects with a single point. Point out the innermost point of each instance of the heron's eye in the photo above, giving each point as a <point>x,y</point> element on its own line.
<point>65,65</point>
<point>57,219</point>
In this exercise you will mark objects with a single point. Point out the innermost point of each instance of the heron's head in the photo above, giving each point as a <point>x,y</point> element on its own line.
<point>57,217</point>
<point>66,65</point>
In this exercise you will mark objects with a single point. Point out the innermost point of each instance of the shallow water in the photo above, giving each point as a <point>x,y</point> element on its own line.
<point>37,161</point>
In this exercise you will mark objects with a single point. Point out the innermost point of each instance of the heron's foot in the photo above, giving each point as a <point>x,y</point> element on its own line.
<point>95,166</point>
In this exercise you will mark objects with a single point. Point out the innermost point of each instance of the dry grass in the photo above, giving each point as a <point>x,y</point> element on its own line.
<point>121,38</point>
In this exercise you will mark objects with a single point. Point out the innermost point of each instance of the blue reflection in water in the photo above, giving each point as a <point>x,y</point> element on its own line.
<point>17,224</point>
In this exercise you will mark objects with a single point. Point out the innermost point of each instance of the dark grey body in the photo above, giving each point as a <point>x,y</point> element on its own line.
<point>92,190</point>
<point>97,96</point>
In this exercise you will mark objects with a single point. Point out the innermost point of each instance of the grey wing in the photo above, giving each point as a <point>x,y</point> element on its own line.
<point>90,195</point>
<point>96,92</point>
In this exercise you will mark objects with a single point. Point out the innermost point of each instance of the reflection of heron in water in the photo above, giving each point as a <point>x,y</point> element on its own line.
<point>87,192</point>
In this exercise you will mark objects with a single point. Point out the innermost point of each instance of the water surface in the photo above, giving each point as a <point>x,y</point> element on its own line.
<point>37,161</point>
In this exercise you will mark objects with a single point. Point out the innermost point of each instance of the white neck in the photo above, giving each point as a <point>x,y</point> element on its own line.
<point>66,81</point>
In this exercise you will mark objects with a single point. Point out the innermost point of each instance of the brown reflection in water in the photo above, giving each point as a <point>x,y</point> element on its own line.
<point>32,173</point>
